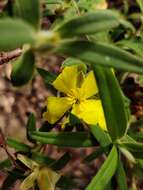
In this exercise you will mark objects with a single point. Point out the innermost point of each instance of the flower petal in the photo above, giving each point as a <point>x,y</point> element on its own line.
<point>47,179</point>
<point>56,108</point>
<point>66,80</point>
<point>89,86</point>
<point>29,181</point>
<point>91,112</point>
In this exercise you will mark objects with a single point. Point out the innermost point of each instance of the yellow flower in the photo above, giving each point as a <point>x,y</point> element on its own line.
<point>45,177</point>
<point>79,91</point>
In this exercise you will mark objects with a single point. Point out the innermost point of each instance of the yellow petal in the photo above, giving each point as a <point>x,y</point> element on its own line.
<point>56,108</point>
<point>47,179</point>
<point>27,161</point>
<point>91,112</point>
<point>29,181</point>
<point>89,86</point>
<point>66,80</point>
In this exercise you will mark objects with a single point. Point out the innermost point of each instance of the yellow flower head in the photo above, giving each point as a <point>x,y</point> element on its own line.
<point>45,177</point>
<point>79,91</point>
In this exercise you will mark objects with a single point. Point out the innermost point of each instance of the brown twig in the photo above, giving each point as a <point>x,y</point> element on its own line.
<point>5,57</point>
<point>4,146</point>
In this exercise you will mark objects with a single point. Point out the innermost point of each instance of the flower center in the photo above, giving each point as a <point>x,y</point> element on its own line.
<point>75,96</point>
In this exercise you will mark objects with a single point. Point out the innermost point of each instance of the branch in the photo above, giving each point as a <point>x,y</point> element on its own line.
<point>5,57</point>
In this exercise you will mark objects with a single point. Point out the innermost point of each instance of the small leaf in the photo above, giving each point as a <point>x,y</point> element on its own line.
<point>140,3</point>
<point>66,183</point>
<point>42,159</point>
<point>15,33</point>
<point>128,155</point>
<point>135,45</point>
<point>66,139</point>
<point>28,11</point>
<point>72,61</point>
<point>59,164</point>
<point>17,145</point>
<point>31,125</point>
<point>135,148</point>
<point>99,151</point>
<point>10,180</point>
<point>105,173</point>
<point>89,23</point>
<point>121,176</point>
<point>5,164</point>
<point>47,76</point>
<point>102,137</point>
<point>102,54</point>
<point>23,69</point>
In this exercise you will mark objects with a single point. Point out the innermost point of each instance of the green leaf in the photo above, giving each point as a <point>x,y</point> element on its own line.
<point>28,11</point>
<point>18,145</point>
<point>5,164</point>
<point>61,163</point>
<point>121,176</point>
<point>23,69</point>
<point>102,137</point>
<point>72,61</point>
<point>128,155</point>
<point>31,125</point>
<point>105,173</point>
<point>135,148</point>
<point>135,45</point>
<point>66,183</point>
<point>53,1</point>
<point>66,139</point>
<point>42,159</point>
<point>99,151</point>
<point>112,101</point>
<point>15,33</point>
<point>89,23</point>
<point>140,3</point>
<point>48,77</point>
<point>13,176</point>
<point>101,54</point>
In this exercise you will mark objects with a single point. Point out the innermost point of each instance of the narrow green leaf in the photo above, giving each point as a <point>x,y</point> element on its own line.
<point>137,135</point>
<point>53,1</point>
<point>135,148</point>
<point>17,145</point>
<point>5,164</point>
<point>42,159</point>
<point>121,176</point>
<point>66,183</point>
<point>135,45</point>
<point>105,173</point>
<point>66,139</point>
<point>102,137</point>
<point>102,54</point>
<point>140,3</point>
<point>28,10</point>
<point>99,151</point>
<point>15,33</point>
<point>71,61</point>
<point>112,101</point>
<point>59,164</point>
<point>128,155</point>
<point>90,23</point>
<point>48,77</point>
<point>23,69</point>
<point>31,125</point>
<point>10,180</point>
